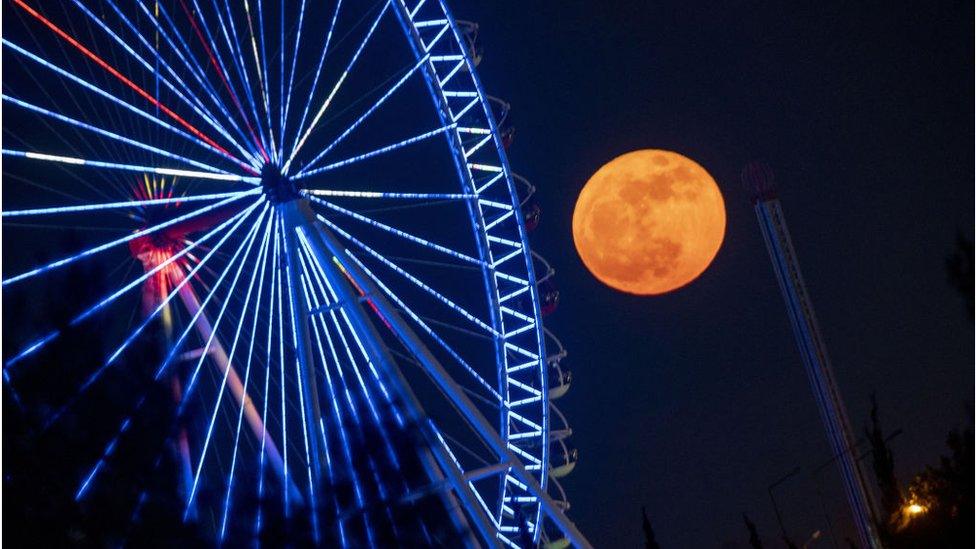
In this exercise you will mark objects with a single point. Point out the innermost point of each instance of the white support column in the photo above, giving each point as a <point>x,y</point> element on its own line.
<point>380,355</point>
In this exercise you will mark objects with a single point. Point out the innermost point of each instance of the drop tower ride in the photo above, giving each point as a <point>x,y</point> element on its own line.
<point>759,181</point>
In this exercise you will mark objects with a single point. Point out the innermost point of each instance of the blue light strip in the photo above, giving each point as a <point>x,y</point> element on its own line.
<point>457,308</point>
<point>318,70</point>
<point>110,448</point>
<point>239,219</point>
<point>398,232</point>
<point>405,308</point>
<point>293,311</point>
<point>267,84</point>
<point>294,60</point>
<point>111,135</point>
<point>93,88</point>
<point>281,352</point>
<point>320,323</point>
<point>206,115</point>
<point>230,360</point>
<point>335,89</point>
<point>175,172</point>
<point>212,45</point>
<point>262,256</point>
<point>365,115</point>
<point>236,52</point>
<point>200,76</point>
<point>389,195</point>
<point>124,204</point>
<point>334,298</point>
<point>262,84</point>
<point>133,236</point>
<point>371,154</point>
<point>349,354</point>
<point>270,264</point>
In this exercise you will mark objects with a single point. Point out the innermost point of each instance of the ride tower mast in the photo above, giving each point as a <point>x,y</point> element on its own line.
<point>760,182</point>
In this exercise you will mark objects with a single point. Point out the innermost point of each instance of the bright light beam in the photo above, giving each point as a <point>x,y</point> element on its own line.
<point>124,204</point>
<point>371,154</point>
<point>335,89</point>
<point>112,135</point>
<point>123,240</point>
<point>318,69</point>
<point>130,167</point>
<point>402,234</point>
<point>366,114</point>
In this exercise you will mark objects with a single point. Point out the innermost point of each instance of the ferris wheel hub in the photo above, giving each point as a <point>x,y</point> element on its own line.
<point>277,186</point>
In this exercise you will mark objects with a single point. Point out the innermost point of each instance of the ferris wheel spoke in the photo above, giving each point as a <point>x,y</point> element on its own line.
<point>92,378</point>
<point>192,101</point>
<point>176,172</point>
<point>400,233</point>
<point>194,67</point>
<point>150,230</point>
<point>294,61</point>
<point>379,424</point>
<point>318,68</point>
<point>390,195</point>
<point>279,237</point>
<point>118,75</point>
<point>294,311</point>
<point>377,152</point>
<point>117,205</point>
<point>246,247</point>
<point>238,57</point>
<point>243,399</point>
<point>218,63</point>
<point>263,262</point>
<point>416,281</point>
<point>106,95</point>
<point>261,67</point>
<point>297,145</point>
<point>427,329</point>
<point>366,114</point>
<point>238,219</point>
<point>112,135</point>
<point>109,450</point>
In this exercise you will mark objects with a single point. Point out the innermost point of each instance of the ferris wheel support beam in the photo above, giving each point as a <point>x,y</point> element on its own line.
<point>303,345</point>
<point>298,214</point>
<point>332,247</point>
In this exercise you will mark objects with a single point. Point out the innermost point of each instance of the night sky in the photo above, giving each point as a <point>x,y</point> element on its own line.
<point>693,403</point>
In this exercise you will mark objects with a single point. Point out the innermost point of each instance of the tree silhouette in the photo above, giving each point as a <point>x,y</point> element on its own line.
<point>884,472</point>
<point>959,267</point>
<point>754,541</point>
<point>649,541</point>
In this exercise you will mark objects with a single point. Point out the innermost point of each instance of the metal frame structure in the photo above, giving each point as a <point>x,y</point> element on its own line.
<point>316,272</point>
<point>759,180</point>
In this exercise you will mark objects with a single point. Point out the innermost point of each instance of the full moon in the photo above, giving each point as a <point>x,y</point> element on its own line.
<point>649,222</point>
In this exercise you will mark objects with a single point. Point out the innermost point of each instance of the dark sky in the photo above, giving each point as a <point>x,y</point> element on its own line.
<point>694,402</point>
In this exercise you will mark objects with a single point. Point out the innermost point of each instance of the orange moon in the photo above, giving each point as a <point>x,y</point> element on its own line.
<point>649,222</point>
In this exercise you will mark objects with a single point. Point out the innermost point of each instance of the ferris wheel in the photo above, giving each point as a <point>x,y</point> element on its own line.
<point>309,208</point>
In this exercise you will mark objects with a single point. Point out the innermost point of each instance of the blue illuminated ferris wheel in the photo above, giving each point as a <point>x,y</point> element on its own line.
<point>311,207</point>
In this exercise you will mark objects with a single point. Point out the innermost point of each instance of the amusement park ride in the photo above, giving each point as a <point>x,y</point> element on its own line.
<point>332,245</point>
